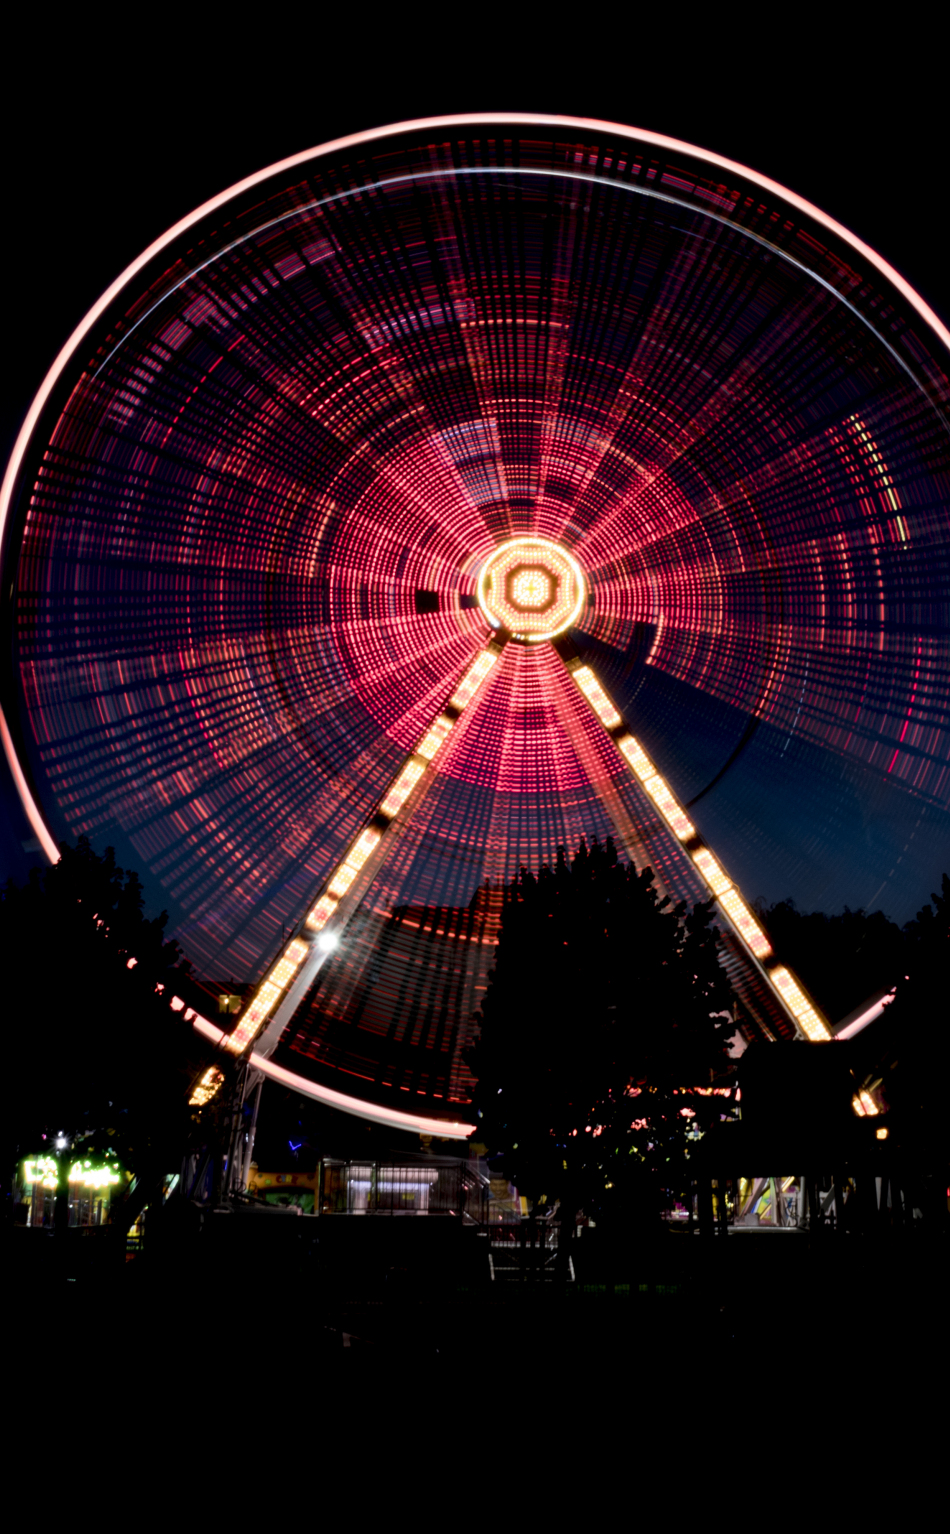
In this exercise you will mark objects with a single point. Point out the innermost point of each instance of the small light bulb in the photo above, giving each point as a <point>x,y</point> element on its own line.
<point>327,941</point>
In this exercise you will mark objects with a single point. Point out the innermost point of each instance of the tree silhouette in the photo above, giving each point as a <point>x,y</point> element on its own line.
<point>93,1046</point>
<point>912,1039</point>
<point>602,1022</point>
<point>842,959</point>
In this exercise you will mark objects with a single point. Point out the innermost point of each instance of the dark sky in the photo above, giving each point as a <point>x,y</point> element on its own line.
<point>110,137</point>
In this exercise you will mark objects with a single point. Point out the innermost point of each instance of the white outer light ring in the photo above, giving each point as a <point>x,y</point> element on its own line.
<point>541,543</point>
<point>393,1118</point>
<point>368,136</point>
<point>485,119</point>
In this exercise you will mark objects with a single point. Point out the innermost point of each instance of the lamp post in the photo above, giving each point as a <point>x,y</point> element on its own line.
<point>61,1206</point>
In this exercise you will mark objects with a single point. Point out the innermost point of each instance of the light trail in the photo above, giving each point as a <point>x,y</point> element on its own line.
<point>296,969</point>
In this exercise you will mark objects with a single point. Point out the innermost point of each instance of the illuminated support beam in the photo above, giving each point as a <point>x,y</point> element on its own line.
<point>783,984</point>
<point>205,1087</point>
<point>291,976</point>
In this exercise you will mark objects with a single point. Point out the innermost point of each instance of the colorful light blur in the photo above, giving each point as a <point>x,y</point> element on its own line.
<point>864,1105</point>
<point>248,514</point>
<point>43,1171</point>
<point>208,1085</point>
<point>532,588</point>
<point>283,973</point>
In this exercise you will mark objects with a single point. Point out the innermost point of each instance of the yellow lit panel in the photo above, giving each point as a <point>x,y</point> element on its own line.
<point>472,680</point>
<point>342,880</point>
<point>206,1088</point>
<point>864,1105</point>
<point>799,1005</point>
<point>812,1026</point>
<point>353,862</point>
<point>263,1001</point>
<point>321,912</point>
<point>288,964</point>
<point>255,1015</point>
<point>711,872</point>
<point>437,734</point>
<point>362,847</point>
<point>742,918</point>
<point>660,794</point>
<point>637,757</point>
<point>403,787</point>
<point>596,697</point>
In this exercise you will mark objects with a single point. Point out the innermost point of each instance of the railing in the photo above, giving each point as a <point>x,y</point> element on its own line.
<point>527,1251</point>
<point>429,1185</point>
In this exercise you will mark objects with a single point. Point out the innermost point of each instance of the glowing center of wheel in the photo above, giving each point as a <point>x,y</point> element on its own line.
<point>532,587</point>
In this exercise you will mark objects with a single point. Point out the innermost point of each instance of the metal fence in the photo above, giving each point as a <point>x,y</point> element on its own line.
<point>427,1185</point>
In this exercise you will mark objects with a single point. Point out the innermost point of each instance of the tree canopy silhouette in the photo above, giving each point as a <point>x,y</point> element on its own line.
<point>606,1012</point>
<point>910,1044</point>
<point>93,1047</point>
<point>842,959</point>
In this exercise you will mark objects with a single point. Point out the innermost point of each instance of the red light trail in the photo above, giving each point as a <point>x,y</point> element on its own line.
<point>251,523</point>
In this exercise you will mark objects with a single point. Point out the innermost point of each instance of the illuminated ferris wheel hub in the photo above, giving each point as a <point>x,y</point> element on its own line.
<point>532,588</point>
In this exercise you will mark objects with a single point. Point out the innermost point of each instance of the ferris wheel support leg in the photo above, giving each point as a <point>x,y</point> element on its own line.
<point>252,1129</point>
<point>785,988</point>
<point>319,930</point>
<point>231,1162</point>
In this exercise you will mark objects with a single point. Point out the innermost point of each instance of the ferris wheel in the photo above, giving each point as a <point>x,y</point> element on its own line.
<point>448,493</point>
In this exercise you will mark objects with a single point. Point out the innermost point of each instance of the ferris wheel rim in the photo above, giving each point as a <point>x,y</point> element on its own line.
<point>409,125</point>
<point>68,352</point>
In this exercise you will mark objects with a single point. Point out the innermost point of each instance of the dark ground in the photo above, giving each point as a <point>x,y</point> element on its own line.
<point>744,1373</point>
<point>414,1297</point>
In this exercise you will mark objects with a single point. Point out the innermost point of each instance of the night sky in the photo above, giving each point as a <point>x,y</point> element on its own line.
<point>105,149</point>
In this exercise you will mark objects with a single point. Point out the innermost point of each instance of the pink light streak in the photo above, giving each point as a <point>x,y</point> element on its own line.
<point>416,1123</point>
<point>910,705</point>
<point>419,125</point>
